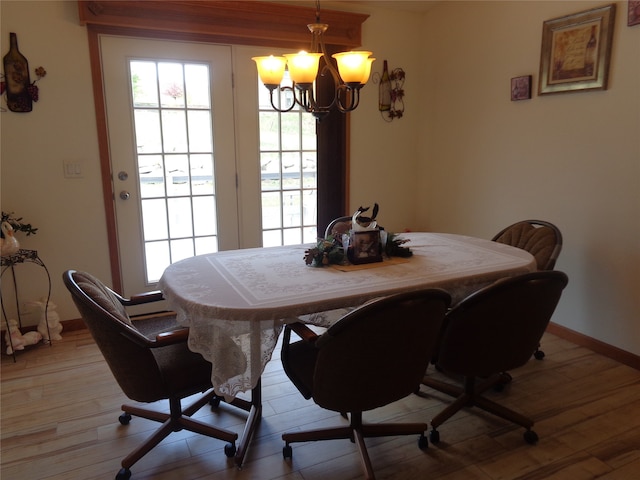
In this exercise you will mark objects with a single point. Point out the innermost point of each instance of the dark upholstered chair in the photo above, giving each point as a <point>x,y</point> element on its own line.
<point>541,239</point>
<point>337,227</point>
<point>494,330</point>
<point>150,361</point>
<point>372,356</point>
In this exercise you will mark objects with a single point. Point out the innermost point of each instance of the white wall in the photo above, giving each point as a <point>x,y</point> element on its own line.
<point>573,159</point>
<point>463,159</point>
<point>69,213</point>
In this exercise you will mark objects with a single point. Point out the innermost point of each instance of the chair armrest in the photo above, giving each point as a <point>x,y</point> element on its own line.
<point>142,298</point>
<point>162,339</point>
<point>171,337</point>
<point>304,332</point>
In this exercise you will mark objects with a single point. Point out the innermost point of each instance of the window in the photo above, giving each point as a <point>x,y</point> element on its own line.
<point>288,173</point>
<point>174,150</point>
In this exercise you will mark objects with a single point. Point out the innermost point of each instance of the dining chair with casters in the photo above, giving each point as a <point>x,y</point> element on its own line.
<point>337,227</point>
<point>541,239</point>
<point>150,360</point>
<point>384,342</point>
<point>493,330</point>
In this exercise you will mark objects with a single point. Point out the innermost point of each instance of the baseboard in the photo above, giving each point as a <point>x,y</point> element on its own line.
<point>78,323</point>
<point>67,326</point>
<point>74,324</point>
<point>615,353</point>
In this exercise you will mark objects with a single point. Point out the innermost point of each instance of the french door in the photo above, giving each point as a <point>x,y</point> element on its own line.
<point>170,115</point>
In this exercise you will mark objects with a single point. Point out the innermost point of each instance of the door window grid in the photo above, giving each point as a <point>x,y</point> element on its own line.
<point>174,156</point>
<point>288,172</point>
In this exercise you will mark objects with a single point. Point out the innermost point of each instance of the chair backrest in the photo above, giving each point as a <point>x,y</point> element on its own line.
<point>338,226</point>
<point>379,352</point>
<point>499,327</point>
<point>132,363</point>
<point>541,239</point>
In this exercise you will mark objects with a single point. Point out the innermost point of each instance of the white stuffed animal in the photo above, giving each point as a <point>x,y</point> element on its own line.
<point>50,316</point>
<point>31,338</point>
<point>13,337</point>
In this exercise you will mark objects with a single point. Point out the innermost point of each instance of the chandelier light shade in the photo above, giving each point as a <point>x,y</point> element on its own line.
<point>303,67</point>
<point>351,75</point>
<point>271,69</point>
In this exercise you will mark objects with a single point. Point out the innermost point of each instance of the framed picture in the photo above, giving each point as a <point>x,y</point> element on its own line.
<point>364,247</point>
<point>576,51</point>
<point>521,88</point>
<point>633,12</point>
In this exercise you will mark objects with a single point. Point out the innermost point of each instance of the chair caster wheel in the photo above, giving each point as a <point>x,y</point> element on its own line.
<point>230,450</point>
<point>423,443</point>
<point>123,474</point>
<point>214,402</point>
<point>434,436</point>
<point>124,419</point>
<point>538,354</point>
<point>287,452</point>
<point>531,437</point>
<point>505,379</point>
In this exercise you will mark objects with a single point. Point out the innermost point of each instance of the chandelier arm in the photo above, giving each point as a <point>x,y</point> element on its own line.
<point>328,65</point>
<point>317,45</point>
<point>354,93</point>
<point>303,99</point>
<point>282,89</point>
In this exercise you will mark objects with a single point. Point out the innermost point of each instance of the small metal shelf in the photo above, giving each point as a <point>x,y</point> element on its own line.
<point>8,262</point>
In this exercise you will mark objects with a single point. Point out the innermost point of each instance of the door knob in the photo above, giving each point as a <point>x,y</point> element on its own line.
<point>124,195</point>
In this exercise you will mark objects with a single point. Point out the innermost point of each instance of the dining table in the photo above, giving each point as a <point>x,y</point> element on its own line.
<point>236,302</point>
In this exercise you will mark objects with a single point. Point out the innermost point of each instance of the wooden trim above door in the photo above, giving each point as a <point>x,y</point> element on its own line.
<point>241,23</point>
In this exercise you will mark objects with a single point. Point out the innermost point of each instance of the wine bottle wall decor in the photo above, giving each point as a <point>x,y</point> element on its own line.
<point>390,92</point>
<point>16,77</point>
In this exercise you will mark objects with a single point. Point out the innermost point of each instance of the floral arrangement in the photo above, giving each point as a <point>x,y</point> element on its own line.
<point>394,247</point>
<point>17,224</point>
<point>330,251</point>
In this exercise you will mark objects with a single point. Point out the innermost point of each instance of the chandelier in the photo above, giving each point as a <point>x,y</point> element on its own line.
<point>353,71</point>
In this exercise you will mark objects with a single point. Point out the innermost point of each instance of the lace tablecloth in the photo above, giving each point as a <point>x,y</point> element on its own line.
<point>236,302</point>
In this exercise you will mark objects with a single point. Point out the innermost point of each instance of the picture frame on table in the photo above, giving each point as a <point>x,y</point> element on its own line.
<point>521,88</point>
<point>364,247</point>
<point>576,51</point>
<point>633,12</point>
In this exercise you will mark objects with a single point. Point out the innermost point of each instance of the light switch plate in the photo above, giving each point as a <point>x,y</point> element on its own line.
<point>72,169</point>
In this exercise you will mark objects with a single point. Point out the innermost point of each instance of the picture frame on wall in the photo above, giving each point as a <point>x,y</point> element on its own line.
<point>521,88</point>
<point>633,12</point>
<point>576,51</point>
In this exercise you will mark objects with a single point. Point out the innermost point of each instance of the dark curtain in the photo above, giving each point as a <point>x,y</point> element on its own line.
<point>332,157</point>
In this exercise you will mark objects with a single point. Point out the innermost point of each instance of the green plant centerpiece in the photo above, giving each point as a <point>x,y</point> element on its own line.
<point>330,250</point>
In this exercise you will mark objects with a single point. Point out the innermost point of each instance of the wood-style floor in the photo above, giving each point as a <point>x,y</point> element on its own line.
<point>60,408</point>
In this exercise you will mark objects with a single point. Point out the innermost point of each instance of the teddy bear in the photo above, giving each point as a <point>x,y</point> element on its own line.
<point>13,337</point>
<point>31,338</point>
<point>48,315</point>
